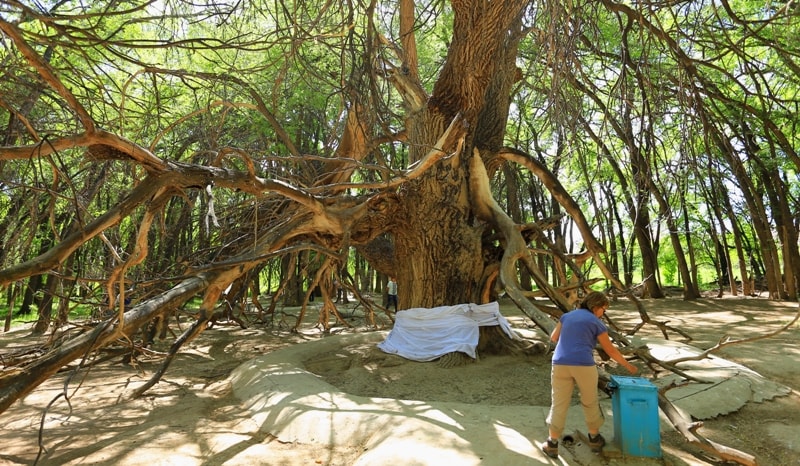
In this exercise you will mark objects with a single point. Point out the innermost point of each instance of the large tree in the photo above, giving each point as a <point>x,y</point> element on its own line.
<point>182,148</point>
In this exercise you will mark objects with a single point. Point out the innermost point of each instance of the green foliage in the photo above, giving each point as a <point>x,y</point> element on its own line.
<point>626,107</point>
<point>80,312</point>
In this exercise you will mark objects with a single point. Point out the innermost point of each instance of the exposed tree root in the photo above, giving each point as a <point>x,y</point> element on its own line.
<point>493,340</point>
<point>454,359</point>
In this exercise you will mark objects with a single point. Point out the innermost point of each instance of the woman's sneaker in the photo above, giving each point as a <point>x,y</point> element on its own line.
<point>550,448</point>
<point>596,442</point>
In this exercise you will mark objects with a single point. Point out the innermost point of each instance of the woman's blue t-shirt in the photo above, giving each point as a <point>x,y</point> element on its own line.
<point>579,331</point>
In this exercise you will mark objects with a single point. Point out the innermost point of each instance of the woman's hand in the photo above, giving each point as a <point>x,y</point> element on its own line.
<point>613,352</point>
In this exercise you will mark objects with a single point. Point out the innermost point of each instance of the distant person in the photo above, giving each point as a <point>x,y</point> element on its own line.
<point>337,288</point>
<point>391,290</point>
<point>576,335</point>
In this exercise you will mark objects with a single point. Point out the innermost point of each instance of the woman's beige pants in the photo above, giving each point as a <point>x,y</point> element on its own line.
<point>563,380</point>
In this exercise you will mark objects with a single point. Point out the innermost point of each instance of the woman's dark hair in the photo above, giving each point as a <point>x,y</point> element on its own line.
<point>593,300</point>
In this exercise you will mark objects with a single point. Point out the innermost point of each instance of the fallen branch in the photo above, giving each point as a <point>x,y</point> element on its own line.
<point>17,384</point>
<point>187,336</point>
<point>726,341</point>
<point>689,430</point>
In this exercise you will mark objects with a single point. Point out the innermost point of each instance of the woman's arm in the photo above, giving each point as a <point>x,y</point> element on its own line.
<point>556,333</point>
<point>611,350</point>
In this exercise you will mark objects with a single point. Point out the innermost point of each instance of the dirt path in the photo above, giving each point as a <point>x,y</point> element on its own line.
<point>192,418</point>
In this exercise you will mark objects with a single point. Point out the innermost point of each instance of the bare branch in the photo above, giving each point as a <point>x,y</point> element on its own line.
<point>44,69</point>
<point>726,341</point>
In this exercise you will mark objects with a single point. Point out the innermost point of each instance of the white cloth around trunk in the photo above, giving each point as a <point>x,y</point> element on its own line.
<point>424,334</point>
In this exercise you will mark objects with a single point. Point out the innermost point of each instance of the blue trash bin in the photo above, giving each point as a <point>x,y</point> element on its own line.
<point>636,426</point>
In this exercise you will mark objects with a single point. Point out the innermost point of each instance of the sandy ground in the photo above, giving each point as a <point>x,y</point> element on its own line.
<point>196,416</point>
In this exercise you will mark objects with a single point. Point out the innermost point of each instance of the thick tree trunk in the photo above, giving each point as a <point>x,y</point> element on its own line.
<point>439,255</point>
<point>437,242</point>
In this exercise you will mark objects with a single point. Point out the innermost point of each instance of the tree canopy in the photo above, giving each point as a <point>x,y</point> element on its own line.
<point>156,152</point>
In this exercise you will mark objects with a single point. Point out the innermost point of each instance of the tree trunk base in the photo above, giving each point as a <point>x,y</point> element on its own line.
<point>493,340</point>
<point>454,359</point>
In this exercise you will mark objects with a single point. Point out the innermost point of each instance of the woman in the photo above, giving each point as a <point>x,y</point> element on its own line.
<point>576,335</point>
